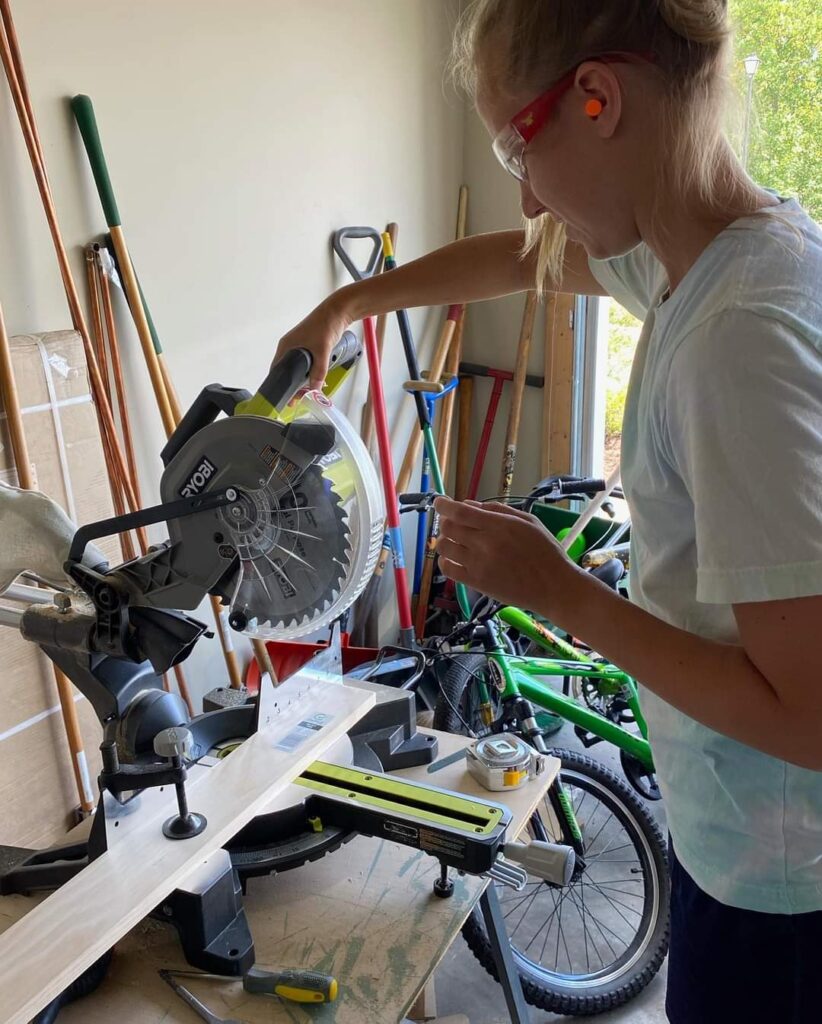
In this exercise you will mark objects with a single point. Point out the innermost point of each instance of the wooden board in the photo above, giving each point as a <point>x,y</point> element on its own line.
<point>365,914</point>
<point>559,374</point>
<point>50,946</point>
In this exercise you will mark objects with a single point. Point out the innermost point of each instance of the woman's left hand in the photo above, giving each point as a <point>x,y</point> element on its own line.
<point>505,553</point>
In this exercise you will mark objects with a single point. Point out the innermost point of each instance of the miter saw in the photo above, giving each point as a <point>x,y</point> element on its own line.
<point>276,510</point>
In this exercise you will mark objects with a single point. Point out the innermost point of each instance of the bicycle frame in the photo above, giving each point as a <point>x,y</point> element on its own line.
<point>517,679</point>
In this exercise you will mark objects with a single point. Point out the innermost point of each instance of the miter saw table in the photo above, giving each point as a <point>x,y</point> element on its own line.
<point>368,917</point>
<point>276,510</point>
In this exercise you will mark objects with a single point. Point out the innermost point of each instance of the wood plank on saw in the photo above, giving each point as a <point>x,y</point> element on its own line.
<point>55,942</point>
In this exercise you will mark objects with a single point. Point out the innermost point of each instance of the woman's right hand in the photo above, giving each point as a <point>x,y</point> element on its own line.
<point>319,332</point>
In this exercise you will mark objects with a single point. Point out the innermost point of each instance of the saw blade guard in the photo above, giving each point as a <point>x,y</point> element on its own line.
<point>308,539</point>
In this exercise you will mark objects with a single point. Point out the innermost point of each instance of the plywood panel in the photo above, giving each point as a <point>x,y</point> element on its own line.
<point>559,376</point>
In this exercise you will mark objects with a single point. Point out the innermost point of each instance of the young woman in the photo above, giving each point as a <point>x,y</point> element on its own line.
<point>608,114</point>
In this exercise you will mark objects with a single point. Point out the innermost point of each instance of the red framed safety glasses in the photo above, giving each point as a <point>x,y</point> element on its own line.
<point>510,142</point>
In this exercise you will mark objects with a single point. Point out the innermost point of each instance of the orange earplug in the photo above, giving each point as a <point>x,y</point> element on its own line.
<point>593,108</point>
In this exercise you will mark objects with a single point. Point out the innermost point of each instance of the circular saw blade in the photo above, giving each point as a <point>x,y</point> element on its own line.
<point>293,542</point>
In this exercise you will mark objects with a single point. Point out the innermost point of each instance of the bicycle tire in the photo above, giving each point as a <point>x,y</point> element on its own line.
<point>563,993</point>
<point>541,987</point>
<point>450,714</point>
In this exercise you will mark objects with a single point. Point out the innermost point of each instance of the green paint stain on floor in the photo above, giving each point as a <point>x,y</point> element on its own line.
<point>400,967</point>
<point>412,860</point>
<point>373,865</point>
<point>352,952</point>
<point>368,989</point>
<point>325,965</point>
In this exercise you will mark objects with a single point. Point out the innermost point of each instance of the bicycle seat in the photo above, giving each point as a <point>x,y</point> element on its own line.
<point>610,572</point>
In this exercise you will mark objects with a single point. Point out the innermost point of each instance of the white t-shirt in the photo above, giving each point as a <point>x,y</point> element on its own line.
<point>722,470</point>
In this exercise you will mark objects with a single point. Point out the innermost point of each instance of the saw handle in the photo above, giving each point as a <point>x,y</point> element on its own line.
<point>289,374</point>
<point>284,380</point>
<point>205,408</point>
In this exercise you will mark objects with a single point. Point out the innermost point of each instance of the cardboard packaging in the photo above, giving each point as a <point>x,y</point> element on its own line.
<point>37,790</point>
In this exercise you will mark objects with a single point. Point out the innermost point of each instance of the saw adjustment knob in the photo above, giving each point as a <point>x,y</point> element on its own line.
<point>175,744</point>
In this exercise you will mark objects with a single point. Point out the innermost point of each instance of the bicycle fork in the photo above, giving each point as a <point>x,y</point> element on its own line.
<point>563,809</point>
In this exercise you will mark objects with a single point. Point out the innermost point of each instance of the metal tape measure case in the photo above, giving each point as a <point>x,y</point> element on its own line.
<point>503,762</point>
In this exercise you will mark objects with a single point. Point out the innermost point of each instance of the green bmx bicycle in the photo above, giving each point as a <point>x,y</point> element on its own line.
<point>594,944</point>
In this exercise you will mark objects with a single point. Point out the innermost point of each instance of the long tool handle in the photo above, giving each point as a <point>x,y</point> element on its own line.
<point>466,402</point>
<point>446,412</point>
<point>485,437</point>
<point>115,485</point>
<point>13,66</point>
<point>435,372</point>
<point>161,383</point>
<point>369,598</point>
<point>87,123</point>
<point>509,455</point>
<point>367,431</point>
<point>387,471</point>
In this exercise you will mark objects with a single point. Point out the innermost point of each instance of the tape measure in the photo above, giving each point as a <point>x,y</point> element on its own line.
<point>503,762</point>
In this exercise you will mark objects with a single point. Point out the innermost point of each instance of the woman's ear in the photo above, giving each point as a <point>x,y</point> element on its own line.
<point>598,93</point>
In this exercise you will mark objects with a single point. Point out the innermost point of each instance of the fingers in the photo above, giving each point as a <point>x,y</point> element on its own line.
<point>454,571</point>
<point>477,515</point>
<point>451,549</point>
<point>470,513</point>
<point>507,510</point>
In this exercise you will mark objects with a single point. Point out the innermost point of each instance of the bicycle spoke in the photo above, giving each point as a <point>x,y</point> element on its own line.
<point>565,944</point>
<point>610,847</point>
<point>525,912</point>
<point>585,931</point>
<point>592,916</point>
<point>589,843</point>
<point>559,933</point>
<point>549,919</point>
<point>611,881</point>
<point>602,928</point>
<point>613,849</point>
<point>614,903</point>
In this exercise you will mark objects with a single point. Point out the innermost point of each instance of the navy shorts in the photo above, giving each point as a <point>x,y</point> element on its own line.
<point>731,966</point>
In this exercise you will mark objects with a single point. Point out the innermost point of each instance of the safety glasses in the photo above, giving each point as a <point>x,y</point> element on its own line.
<point>511,142</point>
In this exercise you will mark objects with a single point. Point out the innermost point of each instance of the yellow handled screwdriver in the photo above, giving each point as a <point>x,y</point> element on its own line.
<point>296,986</point>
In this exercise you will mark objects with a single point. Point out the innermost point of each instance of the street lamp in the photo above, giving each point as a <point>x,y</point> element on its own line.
<point>751,67</point>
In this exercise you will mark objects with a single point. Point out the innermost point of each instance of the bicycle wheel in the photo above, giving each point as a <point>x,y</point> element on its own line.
<point>457,709</point>
<point>593,945</point>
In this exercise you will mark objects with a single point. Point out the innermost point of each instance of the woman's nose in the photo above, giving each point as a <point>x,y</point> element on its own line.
<point>531,206</point>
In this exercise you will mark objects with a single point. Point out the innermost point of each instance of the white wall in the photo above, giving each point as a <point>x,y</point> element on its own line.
<point>239,135</point>
<point>492,328</point>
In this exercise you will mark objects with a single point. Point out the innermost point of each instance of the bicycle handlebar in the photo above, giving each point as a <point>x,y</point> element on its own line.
<point>588,486</point>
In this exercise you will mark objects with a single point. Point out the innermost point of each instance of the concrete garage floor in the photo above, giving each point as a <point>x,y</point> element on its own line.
<point>463,985</point>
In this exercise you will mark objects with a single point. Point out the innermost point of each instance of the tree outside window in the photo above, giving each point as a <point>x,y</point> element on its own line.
<point>784,146</point>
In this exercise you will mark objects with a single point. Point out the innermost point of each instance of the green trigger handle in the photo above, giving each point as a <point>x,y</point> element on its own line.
<point>284,380</point>
<point>290,373</point>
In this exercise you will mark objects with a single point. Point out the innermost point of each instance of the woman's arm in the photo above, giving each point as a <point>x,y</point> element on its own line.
<point>472,269</point>
<point>762,691</point>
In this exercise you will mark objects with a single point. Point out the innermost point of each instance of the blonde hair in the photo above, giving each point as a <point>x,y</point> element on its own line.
<point>536,41</point>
